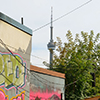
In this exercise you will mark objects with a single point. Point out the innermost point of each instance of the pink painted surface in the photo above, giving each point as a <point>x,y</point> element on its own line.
<point>44,95</point>
<point>2,96</point>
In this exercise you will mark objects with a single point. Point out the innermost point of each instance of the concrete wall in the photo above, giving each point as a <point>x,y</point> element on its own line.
<point>45,86</point>
<point>14,78</point>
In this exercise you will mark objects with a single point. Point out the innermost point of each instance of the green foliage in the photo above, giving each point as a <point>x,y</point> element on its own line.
<point>78,58</point>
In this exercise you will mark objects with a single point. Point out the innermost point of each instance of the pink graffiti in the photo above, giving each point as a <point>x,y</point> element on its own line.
<point>3,96</point>
<point>44,95</point>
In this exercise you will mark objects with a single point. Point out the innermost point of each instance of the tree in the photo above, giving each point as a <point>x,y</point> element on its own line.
<point>79,59</point>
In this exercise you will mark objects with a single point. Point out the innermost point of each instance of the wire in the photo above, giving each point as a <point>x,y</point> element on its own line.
<point>47,80</point>
<point>18,60</point>
<point>77,78</point>
<point>63,15</point>
<point>34,75</point>
<point>26,53</point>
<point>21,88</point>
<point>29,60</point>
<point>37,75</point>
<point>38,57</point>
<point>37,78</point>
<point>16,85</point>
<point>42,81</point>
<point>40,64</point>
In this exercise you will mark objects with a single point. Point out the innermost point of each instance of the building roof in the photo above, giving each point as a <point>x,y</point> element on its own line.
<point>14,23</point>
<point>93,98</point>
<point>46,71</point>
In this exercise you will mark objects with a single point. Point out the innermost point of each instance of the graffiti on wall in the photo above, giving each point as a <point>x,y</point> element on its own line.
<point>12,72</point>
<point>43,92</point>
<point>45,96</point>
<point>3,96</point>
<point>20,96</point>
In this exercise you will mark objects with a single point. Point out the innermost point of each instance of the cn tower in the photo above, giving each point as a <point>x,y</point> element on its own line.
<point>51,45</point>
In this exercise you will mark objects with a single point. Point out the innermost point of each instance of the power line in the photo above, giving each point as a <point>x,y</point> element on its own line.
<point>77,78</point>
<point>21,88</point>
<point>47,80</point>
<point>38,57</point>
<point>43,82</point>
<point>29,91</point>
<point>37,64</point>
<point>50,23</point>
<point>18,59</point>
<point>26,53</point>
<point>37,75</point>
<point>63,15</point>
<point>15,85</point>
<point>29,70</point>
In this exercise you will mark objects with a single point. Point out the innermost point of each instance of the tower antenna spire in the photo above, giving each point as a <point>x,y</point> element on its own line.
<point>51,25</point>
<point>51,45</point>
<point>51,15</point>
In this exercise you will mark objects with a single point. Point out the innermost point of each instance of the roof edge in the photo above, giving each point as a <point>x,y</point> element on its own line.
<point>46,71</point>
<point>14,23</point>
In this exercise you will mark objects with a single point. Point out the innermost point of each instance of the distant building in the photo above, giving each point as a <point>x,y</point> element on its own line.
<point>46,84</point>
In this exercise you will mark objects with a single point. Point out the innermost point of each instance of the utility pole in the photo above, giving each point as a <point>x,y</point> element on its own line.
<point>51,45</point>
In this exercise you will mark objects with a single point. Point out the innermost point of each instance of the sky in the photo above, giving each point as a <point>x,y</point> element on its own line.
<point>37,13</point>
